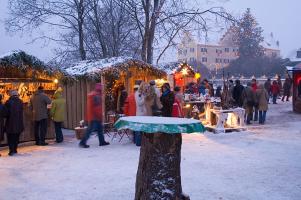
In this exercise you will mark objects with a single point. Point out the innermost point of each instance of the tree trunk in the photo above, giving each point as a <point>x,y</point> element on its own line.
<point>159,173</point>
<point>81,30</point>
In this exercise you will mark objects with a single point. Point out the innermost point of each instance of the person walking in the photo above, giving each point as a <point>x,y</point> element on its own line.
<point>279,82</point>
<point>57,113</point>
<point>94,117</point>
<point>262,97</point>
<point>248,98</point>
<point>14,121</point>
<point>275,90</point>
<point>167,99</point>
<point>287,89</point>
<point>254,88</point>
<point>2,117</point>
<point>267,87</point>
<point>237,93</point>
<point>38,104</point>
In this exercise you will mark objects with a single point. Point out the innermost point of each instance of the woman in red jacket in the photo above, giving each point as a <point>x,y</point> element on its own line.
<point>275,90</point>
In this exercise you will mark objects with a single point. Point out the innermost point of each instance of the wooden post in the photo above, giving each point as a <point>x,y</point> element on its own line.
<point>159,172</point>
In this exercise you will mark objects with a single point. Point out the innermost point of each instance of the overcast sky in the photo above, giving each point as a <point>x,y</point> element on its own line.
<point>282,17</point>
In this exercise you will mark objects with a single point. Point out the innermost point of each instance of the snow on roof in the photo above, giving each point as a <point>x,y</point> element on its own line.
<point>93,68</point>
<point>10,53</point>
<point>22,60</point>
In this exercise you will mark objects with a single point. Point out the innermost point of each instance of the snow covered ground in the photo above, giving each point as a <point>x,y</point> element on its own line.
<point>263,163</point>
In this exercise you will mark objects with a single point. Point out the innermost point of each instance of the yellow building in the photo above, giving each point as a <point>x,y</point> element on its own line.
<point>214,56</point>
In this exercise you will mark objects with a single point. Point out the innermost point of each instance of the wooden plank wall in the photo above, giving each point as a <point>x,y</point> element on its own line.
<point>76,101</point>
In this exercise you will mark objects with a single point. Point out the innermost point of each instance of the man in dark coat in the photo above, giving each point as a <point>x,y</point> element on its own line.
<point>167,99</point>
<point>39,103</point>
<point>14,122</point>
<point>267,87</point>
<point>287,89</point>
<point>248,97</point>
<point>237,93</point>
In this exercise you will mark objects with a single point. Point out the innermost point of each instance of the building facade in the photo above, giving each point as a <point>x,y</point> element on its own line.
<point>213,56</point>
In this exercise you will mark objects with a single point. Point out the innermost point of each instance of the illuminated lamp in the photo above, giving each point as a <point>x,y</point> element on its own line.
<point>197,75</point>
<point>56,81</point>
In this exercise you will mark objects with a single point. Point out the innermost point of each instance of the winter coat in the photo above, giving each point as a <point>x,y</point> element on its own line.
<point>267,86</point>
<point>151,103</point>
<point>140,104</point>
<point>39,102</point>
<point>287,87</point>
<point>237,95</point>
<point>14,120</point>
<point>248,98</point>
<point>2,116</point>
<point>58,107</point>
<point>202,89</point>
<point>262,98</point>
<point>275,90</point>
<point>130,105</point>
<point>254,87</point>
<point>167,99</point>
<point>94,106</point>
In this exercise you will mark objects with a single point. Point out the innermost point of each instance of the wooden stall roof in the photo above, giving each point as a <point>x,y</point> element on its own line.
<point>93,69</point>
<point>20,61</point>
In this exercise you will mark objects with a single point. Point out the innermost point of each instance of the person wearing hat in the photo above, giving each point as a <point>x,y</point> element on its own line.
<point>152,83</point>
<point>38,105</point>
<point>14,121</point>
<point>57,112</point>
<point>94,117</point>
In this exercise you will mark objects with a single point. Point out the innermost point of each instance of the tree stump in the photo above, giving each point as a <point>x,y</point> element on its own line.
<point>159,173</point>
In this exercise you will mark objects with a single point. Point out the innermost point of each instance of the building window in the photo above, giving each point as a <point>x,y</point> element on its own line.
<point>192,50</point>
<point>218,51</point>
<point>179,52</point>
<point>216,60</point>
<point>204,59</point>
<point>204,50</point>
<point>185,51</point>
<point>227,50</point>
<point>191,60</point>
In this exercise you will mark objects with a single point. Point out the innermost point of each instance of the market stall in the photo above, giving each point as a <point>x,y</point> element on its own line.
<point>25,73</point>
<point>116,74</point>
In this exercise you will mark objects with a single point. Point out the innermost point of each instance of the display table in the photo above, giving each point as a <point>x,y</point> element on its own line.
<point>231,119</point>
<point>159,174</point>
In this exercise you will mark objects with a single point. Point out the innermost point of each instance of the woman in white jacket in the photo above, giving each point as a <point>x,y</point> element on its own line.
<point>140,100</point>
<point>140,109</point>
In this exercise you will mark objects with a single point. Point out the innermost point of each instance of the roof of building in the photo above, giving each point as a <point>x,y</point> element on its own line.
<point>92,69</point>
<point>23,61</point>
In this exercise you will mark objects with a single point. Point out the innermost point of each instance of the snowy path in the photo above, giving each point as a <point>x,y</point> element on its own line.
<point>261,164</point>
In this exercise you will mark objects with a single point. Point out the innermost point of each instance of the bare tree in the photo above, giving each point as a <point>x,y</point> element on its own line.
<point>110,26</point>
<point>66,15</point>
<point>159,20</point>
